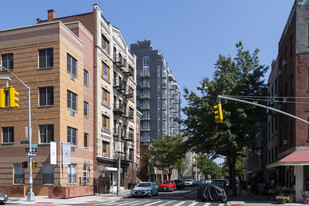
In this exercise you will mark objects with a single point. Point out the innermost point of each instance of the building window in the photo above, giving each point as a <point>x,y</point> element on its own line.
<point>19,174</point>
<point>105,149</point>
<point>105,95</point>
<point>72,135</point>
<point>46,133</point>
<point>8,134</point>
<point>86,138</point>
<point>85,109</point>
<point>85,175</point>
<point>46,96</point>
<point>131,154</point>
<point>48,174</point>
<point>145,61</point>
<point>7,61</point>
<point>105,44</point>
<point>105,123</point>
<point>72,66</point>
<point>72,174</point>
<point>46,58</point>
<point>137,145</point>
<point>131,134</point>
<point>72,101</point>
<point>86,77</point>
<point>105,71</point>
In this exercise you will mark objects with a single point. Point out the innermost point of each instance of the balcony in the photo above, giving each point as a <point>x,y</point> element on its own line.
<point>119,109</point>
<point>145,74</point>
<point>130,116</point>
<point>145,96</point>
<point>164,85</point>
<point>145,85</point>
<point>145,139</point>
<point>129,72</point>
<point>164,74</point>
<point>171,77</point>
<point>145,117</point>
<point>145,128</point>
<point>145,106</point>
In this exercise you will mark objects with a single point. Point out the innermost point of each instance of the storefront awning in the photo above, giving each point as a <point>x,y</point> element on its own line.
<point>296,158</point>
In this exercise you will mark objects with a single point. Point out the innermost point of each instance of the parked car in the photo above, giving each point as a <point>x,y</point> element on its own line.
<point>3,198</point>
<point>145,189</point>
<point>167,185</point>
<point>179,184</point>
<point>213,193</point>
<point>220,183</point>
<point>189,182</point>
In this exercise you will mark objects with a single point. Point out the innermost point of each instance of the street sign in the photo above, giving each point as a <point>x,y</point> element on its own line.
<point>33,149</point>
<point>31,154</point>
<point>24,142</point>
<point>34,145</point>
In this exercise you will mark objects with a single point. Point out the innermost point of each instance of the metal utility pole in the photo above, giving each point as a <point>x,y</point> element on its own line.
<point>30,195</point>
<point>263,106</point>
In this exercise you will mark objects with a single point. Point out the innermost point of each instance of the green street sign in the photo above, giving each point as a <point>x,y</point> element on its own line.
<point>34,145</point>
<point>24,142</point>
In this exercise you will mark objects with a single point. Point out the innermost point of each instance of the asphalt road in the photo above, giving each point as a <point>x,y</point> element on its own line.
<point>185,197</point>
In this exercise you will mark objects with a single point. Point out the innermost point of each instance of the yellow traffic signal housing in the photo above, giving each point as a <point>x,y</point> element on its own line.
<point>35,164</point>
<point>218,113</point>
<point>2,98</point>
<point>25,165</point>
<point>13,97</point>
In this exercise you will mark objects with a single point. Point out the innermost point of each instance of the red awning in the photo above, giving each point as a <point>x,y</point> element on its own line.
<point>296,158</point>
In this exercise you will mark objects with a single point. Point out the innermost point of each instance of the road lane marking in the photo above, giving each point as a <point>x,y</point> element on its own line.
<point>166,203</point>
<point>133,202</point>
<point>180,203</point>
<point>193,203</point>
<point>153,203</point>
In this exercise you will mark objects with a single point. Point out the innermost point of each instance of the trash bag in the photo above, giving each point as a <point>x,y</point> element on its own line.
<point>214,193</point>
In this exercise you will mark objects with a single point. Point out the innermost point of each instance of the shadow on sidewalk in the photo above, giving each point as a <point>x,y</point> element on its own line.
<point>245,196</point>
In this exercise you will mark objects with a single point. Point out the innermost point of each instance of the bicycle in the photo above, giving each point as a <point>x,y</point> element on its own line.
<point>305,196</point>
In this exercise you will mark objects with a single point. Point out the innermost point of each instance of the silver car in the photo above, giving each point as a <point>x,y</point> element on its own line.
<point>3,198</point>
<point>145,189</point>
<point>189,182</point>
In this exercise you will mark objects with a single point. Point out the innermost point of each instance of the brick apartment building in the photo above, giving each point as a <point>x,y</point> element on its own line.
<point>289,157</point>
<point>115,92</point>
<point>51,59</point>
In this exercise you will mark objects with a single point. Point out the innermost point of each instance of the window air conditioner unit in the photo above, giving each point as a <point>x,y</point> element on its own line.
<point>105,129</point>
<point>284,62</point>
<point>72,77</point>
<point>72,113</point>
<point>285,141</point>
<point>105,102</point>
<point>104,154</point>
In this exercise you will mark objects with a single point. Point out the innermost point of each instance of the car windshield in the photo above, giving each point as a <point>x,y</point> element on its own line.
<point>189,180</point>
<point>167,182</point>
<point>144,185</point>
<point>177,181</point>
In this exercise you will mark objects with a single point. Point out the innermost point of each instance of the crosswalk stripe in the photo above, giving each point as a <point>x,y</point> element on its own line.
<point>133,202</point>
<point>180,203</point>
<point>221,204</point>
<point>207,204</point>
<point>193,203</point>
<point>153,203</point>
<point>166,203</point>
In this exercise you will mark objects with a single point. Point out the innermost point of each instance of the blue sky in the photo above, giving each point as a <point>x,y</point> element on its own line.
<point>189,33</point>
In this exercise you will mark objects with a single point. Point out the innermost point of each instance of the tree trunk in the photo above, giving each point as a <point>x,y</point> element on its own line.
<point>232,171</point>
<point>169,173</point>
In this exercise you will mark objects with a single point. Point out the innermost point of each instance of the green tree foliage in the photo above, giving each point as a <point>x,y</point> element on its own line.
<point>208,167</point>
<point>240,76</point>
<point>166,153</point>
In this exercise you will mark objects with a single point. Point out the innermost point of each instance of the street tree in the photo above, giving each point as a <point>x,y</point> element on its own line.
<point>241,76</point>
<point>208,167</point>
<point>166,153</point>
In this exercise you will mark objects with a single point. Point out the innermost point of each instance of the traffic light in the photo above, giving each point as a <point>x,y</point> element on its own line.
<point>13,97</point>
<point>25,165</point>
<point>35,164</point>
<point>2,98</point>
<point>218,113</point>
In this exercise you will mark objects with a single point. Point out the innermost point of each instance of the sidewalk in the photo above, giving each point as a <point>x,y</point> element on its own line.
<point>246,199</point>
<point>77,200</point>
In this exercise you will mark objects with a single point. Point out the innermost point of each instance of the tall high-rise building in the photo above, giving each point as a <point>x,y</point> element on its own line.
<point>158,96</point>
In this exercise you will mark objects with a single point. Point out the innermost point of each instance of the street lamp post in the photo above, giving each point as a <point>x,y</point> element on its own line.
<point>30,195</point>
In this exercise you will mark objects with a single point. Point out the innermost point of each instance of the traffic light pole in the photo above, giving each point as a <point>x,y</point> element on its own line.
<point>263,106</point>
<point>30,195</point>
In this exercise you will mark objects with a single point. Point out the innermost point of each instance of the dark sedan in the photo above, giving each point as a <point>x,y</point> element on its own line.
<point>179,184</point>
<point>3,198</point>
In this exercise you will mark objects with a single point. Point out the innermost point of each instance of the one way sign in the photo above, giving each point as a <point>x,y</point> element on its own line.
<point>33,149</point>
